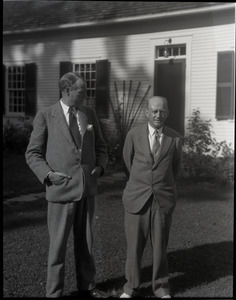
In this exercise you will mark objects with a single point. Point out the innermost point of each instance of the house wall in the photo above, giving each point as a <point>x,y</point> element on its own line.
<point>131,57</point>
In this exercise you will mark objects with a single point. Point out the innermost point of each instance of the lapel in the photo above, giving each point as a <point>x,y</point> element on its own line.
<point>144,143</point>
<point>165,144</point>
<point>58,115</point>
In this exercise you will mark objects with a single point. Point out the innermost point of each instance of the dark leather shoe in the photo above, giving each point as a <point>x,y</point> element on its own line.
<point>94,293</point>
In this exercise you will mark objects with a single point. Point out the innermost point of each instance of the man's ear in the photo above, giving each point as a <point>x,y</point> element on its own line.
<point>146,112</point>
<point>67,91</point>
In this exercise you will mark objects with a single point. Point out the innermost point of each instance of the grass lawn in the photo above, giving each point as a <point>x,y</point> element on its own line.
<point>200,248</point>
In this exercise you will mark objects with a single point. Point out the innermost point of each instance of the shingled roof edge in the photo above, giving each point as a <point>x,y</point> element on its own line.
<point>126,19</point>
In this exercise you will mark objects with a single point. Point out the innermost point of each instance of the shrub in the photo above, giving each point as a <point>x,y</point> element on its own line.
<point>16,136</point>
<point>204,159</point>
<point>114,146</point>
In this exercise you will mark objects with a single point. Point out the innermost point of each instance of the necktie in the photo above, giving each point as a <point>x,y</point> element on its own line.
<point>156,144</point>
<point>73,126</point>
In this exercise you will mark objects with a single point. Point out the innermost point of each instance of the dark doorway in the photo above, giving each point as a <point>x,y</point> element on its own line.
<point>169,82</point>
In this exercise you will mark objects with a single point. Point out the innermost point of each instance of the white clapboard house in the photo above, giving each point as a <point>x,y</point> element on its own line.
<point>125,50</point>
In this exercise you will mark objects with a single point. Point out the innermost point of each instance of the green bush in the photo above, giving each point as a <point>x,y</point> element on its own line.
<point>204,159</point>
<point>16,136</point>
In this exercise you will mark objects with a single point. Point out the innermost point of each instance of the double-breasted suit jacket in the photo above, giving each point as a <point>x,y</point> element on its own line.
<point>52,148</point>
<point>147,177</point>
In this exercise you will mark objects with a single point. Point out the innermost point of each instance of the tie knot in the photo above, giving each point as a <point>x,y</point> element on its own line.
<point>156,133</point>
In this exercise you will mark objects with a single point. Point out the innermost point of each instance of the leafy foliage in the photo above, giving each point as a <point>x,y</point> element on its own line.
<point>16,136</point>
<point>205,159</point>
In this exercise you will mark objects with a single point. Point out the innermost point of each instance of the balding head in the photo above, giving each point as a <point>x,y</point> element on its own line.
<point>157,111</point>
<point>157,100</point>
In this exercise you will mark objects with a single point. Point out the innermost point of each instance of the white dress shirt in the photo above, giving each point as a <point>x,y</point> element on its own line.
<point>65,109</point>
<point>151,135</point>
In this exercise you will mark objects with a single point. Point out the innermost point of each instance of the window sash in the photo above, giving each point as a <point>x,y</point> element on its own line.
<point>15,90</point>
<point>88,71</point>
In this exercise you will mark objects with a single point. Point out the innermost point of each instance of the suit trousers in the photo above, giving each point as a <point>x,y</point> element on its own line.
<point>61,218</point>
<point>150,220</point>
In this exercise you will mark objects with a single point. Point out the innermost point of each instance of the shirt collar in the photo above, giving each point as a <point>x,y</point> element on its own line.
<point>152,130</point>
<point>64,107</point>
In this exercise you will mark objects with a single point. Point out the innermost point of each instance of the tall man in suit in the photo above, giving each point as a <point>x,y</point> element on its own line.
<point>152,155</point>
<point>67,153</point>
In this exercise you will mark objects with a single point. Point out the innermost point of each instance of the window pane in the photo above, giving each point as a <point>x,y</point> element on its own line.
<point>161,52</point>
<point>93,67</point>
<point>93,75</point>
<point>175,51</point>
<point>183,51</point>
<point>93,84</point>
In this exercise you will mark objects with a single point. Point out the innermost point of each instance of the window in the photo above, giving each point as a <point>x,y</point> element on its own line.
<point>225,86</point>
<point>20,93</point>
<point>88,72</point>
<point>173,50</point>
<point>16,89</point>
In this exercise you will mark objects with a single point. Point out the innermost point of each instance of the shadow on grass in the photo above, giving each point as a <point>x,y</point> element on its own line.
<point>188,268</point>
<point>22,214</point>
<point>204,191</point>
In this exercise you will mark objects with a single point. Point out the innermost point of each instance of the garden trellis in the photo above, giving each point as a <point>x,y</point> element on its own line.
<point>127,108</point>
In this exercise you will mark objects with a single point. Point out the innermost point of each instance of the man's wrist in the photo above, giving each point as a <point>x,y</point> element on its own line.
<point>47,179</point>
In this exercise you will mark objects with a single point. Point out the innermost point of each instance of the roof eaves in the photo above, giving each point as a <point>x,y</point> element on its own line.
<point>125,19</point>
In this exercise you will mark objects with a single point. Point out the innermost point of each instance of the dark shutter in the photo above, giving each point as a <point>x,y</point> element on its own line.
<point>65,67</point>
<point>30,89</point>
<point>225,86</point>
<point>102,88</point>
<point>4,89</point>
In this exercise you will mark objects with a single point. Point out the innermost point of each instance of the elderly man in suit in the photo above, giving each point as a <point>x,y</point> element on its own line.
<point>67,153</point>
<point>152,155</point>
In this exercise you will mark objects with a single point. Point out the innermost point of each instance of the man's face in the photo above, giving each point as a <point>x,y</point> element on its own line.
<point>157,112</point>
<point>77,93</point>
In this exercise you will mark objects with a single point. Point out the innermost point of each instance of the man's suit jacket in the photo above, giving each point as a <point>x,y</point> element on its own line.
<point>147,177</point>
<point>51,147</point>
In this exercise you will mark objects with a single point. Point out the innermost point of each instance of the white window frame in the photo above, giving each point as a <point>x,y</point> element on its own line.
<point>7,94</point>
<point>91,88</point>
